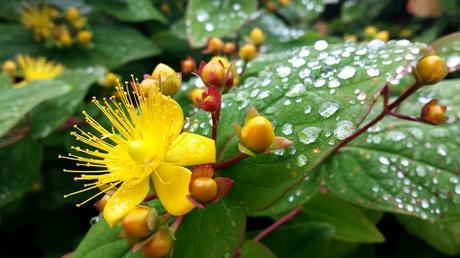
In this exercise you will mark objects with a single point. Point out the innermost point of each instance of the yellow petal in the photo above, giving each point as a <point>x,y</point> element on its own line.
<point>171,185</point>
<point>125,198</point>
<point>191,149</point>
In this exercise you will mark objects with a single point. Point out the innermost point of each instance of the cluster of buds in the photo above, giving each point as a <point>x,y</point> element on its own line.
<point>217,46</point>
<point>47,25</point>
<point>145,230</point>
<point>257,135</point>
<point>163,79</point>
<point>271,5</point>
<point>249,50</point>
<point>371,32</point>
<point>205,188</point>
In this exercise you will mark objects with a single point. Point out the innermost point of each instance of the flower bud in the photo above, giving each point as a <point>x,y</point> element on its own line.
<point>370,31</point>
<point>9,67</point>
<point>433,113</point>
<point>229,48</point>
<point>72,14</point>
<point>215,45</point>
<point>257,134</point>
<point>350,37</point>
<point>135,223</point>
<point>170,81</point>
<point>285,2</point>
<point>195,96</point>
<point>248,52</point>
<point>213,73</point>
<point>188,65</point>
<point>84,36</point>
<point>65,39</point>
<point>103,201</point>
<point>257,36</point>
<point>210,100</point>
<point>270,6</point>
<point>159,245</point>
<point>383,35</point>
<point>430,69</point>
<point>149,86</point>
<point>79,23</point>
<point>110,80</point>
<point>203,189</point>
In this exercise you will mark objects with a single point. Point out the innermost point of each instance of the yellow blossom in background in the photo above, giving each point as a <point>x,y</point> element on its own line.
<point>37,69</point>
<point>110,80</point>
<point>39,20</point>
<point>144,144</point>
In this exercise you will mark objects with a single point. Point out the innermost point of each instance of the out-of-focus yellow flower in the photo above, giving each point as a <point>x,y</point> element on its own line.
<point>383,35</point>
<point>110,80</point>
<point>84,36</point>
<point>9,67</point>
<point>38,69</point>
<point>39,20</point>
<point>370,31</point>
<point>79,23</point>
<point>72,13</point>
<point>143,144</point>
<point>352,38</point>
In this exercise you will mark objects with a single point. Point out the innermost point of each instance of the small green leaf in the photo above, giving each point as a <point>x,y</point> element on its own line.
<point>253,249</point>
<point>444,237</point>
<point>448,47</point>
<point>213,232</point>
<point>217,18</point>
<point>402,166</point>
<point>351,223</point>
<point>315,96</point>
<point>20,169</point>
<point>53,113</point>
<point>129,10</point>
<point>305,240</point>
<point>16,102</point>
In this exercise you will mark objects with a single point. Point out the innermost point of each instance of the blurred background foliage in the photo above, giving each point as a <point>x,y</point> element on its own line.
<point>131,37</point>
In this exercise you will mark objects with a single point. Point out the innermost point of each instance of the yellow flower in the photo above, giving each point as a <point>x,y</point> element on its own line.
<point>144,143</point>
<point>38,68</point>
<point>39,20</point>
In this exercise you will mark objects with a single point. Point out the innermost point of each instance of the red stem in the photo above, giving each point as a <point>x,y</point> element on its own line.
<point>278,223</point>
<point>150,197</point>
<point>230,161</point>
<point>405,117</point>
<point>215,121</point>
<point>176,224</point>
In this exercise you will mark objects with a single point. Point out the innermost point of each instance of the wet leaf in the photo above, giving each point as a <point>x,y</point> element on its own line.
<point>303,10</point>
<point>448,47</point>
<point>402,166</point>
<point>218,18</point>
<point>253,249</point>
<point>129,10</point>
<point>16,102</point>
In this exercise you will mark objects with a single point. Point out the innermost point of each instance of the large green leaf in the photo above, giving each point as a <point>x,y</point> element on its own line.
<point>113,46</point>
<point>304,240</point>
<point>443,236</point>
<point>448,47</point>
<point>16,102</point>
<point>351,223</point>
<point>20,169</point>
<point>217,18</point>
<point>5,82</point>
<point>303,10</point>
<point>253,249</point>
<point>362,10</point>
<point>402,166</point>
<point>315,97</point>
<point>129,10</point>
<point>53,113</point>
<point>213,232</point>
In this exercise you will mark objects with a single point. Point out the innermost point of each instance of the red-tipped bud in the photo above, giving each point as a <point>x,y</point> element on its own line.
<point>188,65</point>
<point>210,100</point>
<point>433,113</point>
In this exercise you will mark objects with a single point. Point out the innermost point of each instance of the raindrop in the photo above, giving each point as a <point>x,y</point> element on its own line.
<point>327,109</point>
<point>384,160</point>
<point>347,72</point>
<point>287,129</point>
<point>373,72</point>
<point>209,27</point>
<point>296,90</point>
<point>307,109</point>
<point>302,160</point>
<point>343,130</point>
<point>309,134</point>
<point>320,45</point>
<point>320,83</point>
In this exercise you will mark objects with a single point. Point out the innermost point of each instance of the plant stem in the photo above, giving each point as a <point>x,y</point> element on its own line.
<point>278,223</point>
<point>215,121</point>
<point>230,161</point>
<point>405,117</point>
<point>176,223</point>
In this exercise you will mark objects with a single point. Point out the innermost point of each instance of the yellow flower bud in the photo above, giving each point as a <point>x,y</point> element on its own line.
<point>196,95</point>
<point>257,36</point>
<point>72,14</point>
<point>229,48</point>
<point>352,38</point>
<point>383,35</point>
<point>79,23</point>
<point>169,80</point>
<point>213,73</point>
<point>430,69</point>
<point>270,6</point>
<point>285,2</point>
<point>223,60</point>
<point>84,36</point>
<point>433,113</point>
<point>162,72</point>
<point>257,134</point>
<point>110,80</point>
<point>135,223</point>
<point>248,52</point>
<point>215,45</point>
<point>159,245</point>
<point>203,189</point>
<point>9,67</point>
<point>149,86</point>
<point>370,31</point>
<point>66,40</point>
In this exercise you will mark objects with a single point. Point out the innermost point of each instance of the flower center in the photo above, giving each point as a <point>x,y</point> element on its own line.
<point>140,151</point>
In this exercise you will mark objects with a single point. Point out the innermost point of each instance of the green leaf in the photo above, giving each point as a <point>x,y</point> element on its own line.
<point>303,10</point>
<point>113,46</point>
<point>129,10</point>
<point>213,232</point>
<point>315,118</point>
<point>362,10</point>
<point>20,169</point>
<point>253,249</point>
<point>351,223</point>
<point>305,240</point>
<point>16,102</point>
<point>442,236</point>
<point>53,113</point>
<point>5,82</point>
<point>402,166</point>
<point>448,47</point>
<point>217,18</point>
